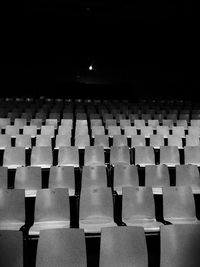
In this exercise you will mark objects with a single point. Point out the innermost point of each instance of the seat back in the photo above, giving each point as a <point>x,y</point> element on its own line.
<point>119,154</point>
<point>94,155</point>
<point>29,178</point>
<point>94,176</point>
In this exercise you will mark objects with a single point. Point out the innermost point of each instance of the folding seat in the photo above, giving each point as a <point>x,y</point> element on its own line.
<point>110,122</point>
<point>12,130</point>
<point>94,177</point>
<point>23,141</point>
<point>3,177</point>
<point>153,123</point>
<point>168,123</point>
<point>51,210</point>
<point>98,130</point>
<point>138,140</point>
<point>95,122</point>
<point>120,140</point>
<point>180,245</point>
<point>47,130</point>
<point>54,248</point>
<point>157,176</point>
<point>178,130</point>
<point>62,177</point>
<point>101,140</point>
<point>64,130</point>
<point>192,140</point>
<point>163,130</point>
<point>119,154</point>
<point>14,157</point>
<point>192,155</point>
<point>5,141</point>
<point>124,123</point>
<point>94,156</point>
<point>11,248</point>
<point>156,141</point>
<point>41,156</point>
<point>4,122</point>
<point>194,130</point>
<point>52,122</point>
<point>195,123</point>
<point>139,123</point>
<point>62,140</point>
<point>179,205</point>
<point>144,155</point>
<point>123,246</point>
<point>129,131</point>
<point>81,122</point>
<point>68,156</point>
<point>28,178</point>
<point>175,140</point>
<point>81,141</point>
<point>36,122</point>
<point>30,130</point>
<point>138,208</point>
<point>43,140</point>
<point>146,131</point>
<point>169,155</point>
<point>67,122</point>
<point>12,209</point>
<point>20,122</point>
<point>83,130</point>
<point>182,123</point>
<point>96,209</point>
<point>125,175</point>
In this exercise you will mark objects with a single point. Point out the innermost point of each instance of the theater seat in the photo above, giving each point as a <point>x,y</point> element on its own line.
<point>14,157</point>
<point>41,156</point>
<point>94,156</point>
<point>94,177</point>
<point>3,177</point>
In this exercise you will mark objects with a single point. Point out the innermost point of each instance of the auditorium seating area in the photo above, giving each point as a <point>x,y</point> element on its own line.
<point>118,178</point>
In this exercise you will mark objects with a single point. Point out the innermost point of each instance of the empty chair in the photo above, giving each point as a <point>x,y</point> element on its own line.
<point>12,209</point>
<point>14,157</point>
<point>153,123</point>
<point>169,155</point>
<point>47,130</point>
<point>4,122</point>
<point>156,141</point>
<point>130,131</point>
<point>120,140</point>
<point>94,155</point>
<point>178,130</point>
<point>182,123</point>
<point>54,248</point>
<point>124,123</point>
<point>30,130</point>
<point>139,123</point>
<point>12,130</point>
<point>95,122</point>
<point>96,209</point>
<point>175,140</point>
<point>62,177</point>
<point>114,130</point>
<point>62,140</point>
<point>81,141</point>
<point>194,130</point>
<point>68,156</point>
<point>97,130</point>
<point>188,175</point>
<point>138,140</point>
<point>23,141</point>
<point>11,248</point>
<point>51,210</point>
<point>67,122</point>
<point>194,122</point>
<point>192,140</point>
<point>64,130</point>
<point>3,177</point>
<point>123,246</point>
<point>41,156</point>
<point>110,122</point>
<point>146,131</point>
<point>94,176</point>
<point>28,178</point>
<point>163,130</point>
<point>52,122</point>
<point>192,155</point>
<point>101,140</point>
<point>81,130</point>
<point>167,122</point>
<point>119,154</point>
<point>43,140</point>
<point>125,175</point>
<point>138,208</point>
<point>157,176</point>
<point>5,141</point>
<point>144,155</point>
<point>179,205</point>
<point>20,122</point>
<point>36,122</point>
<point>180,245</point>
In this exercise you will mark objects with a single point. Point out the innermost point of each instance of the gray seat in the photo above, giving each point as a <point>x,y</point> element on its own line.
<point>48,130</point>
<point>14,157</point>
<point>123,246</point>
<point>81,141</point>
<point>138,140</point>
<point>120,140</point>
<point>114,130</point>
<point>138,208</point>
<point>130,131</point>
<point>43,140</point>
<point>62,140</point>
<point>144,155</point>
<point>11,248</point>
<point>119,154</point>
<point>169,155</point>
<point>98,130</point>
<point>192,155</point>
<point>156,141</point>
<point>94,177</point>
<point>68,156</point>
<point>30,130</point>
<point>22,140</point>
<point>12,209</point>
<point>179,205</point>
<point>94,156</point>
<point>175,140</point>
<point>101,140</point>
<point>61,247</point>
<point>5,141</point>
<point>51,210</point>
<point>41,156</point>
<point>192,140</point>
<point>12,130</point>
<point>180,245</point>
<point>3,177</point>
<point>96,209</point>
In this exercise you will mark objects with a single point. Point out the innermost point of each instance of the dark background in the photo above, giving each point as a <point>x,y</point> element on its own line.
<point>137,48</point>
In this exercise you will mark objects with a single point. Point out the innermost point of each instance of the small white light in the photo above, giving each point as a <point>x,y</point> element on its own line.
<point>90,67</point>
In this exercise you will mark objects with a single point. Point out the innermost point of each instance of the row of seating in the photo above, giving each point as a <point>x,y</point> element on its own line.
<point>156,176</point>
<point>45,156</point>
<point>95,209</point>
<point>119,246</point>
